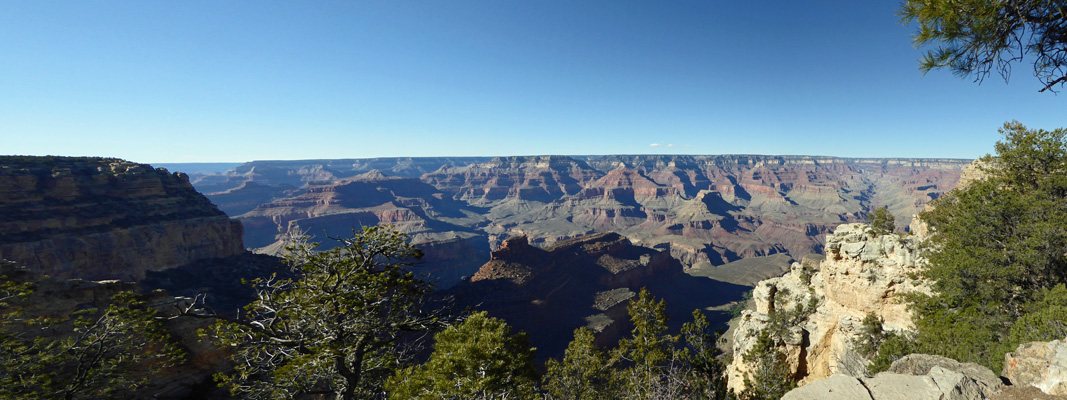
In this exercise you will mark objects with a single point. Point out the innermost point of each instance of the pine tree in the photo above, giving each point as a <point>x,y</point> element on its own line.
<point>769,375</point>
<point>584,373</point>
<point>341,328</point>
<point>997,247</point>
<point>882,221</point>
<point>648,349</point>
<point>479,359</point>
<point>707,375</point>
<point>102,351</point>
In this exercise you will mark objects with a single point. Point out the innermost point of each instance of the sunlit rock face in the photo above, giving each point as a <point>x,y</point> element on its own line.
<point>97,218</point>
<point>708,210</point>
<point>863,273</point>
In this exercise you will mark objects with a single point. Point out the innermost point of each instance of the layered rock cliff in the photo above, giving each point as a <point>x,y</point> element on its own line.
<point>708,210</point>
<point>438,224</point>
<point>863,274</point>
<point>100,218</point>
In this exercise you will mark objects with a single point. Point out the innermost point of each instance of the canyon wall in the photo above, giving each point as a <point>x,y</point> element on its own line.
<point>863,273</point>
<point>100,218</point>
<point>708,210</point>
<point>585,281</point>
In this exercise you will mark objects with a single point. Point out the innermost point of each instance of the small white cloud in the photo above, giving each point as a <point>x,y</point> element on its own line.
<point>655,145</point>
<point>670,145</point>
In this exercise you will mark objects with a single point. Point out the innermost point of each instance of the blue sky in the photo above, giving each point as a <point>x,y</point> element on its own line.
<point>199,81</point>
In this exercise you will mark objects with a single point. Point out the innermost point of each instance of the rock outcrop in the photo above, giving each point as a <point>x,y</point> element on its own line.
<point>100,218</point>
<point>1039,364</point>
<point>586,281</point>
<point>863,274</point>
<point>914,377</point>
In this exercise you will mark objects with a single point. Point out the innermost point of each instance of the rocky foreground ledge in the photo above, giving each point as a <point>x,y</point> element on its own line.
<point>865,273</point>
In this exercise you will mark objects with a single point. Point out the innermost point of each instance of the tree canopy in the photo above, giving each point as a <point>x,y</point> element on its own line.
<point>882,221</point>
<point>976,37</point>
<point>478,359</point>
<point>998,248</point>
<point>108,350</point>
<point>338,329</point>
<point>648,364</point>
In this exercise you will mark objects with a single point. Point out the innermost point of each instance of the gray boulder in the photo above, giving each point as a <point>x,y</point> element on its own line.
<point>837,387</point>
<point>890,386</point>
<point>914,377</point>
<point>976,378</point>
<point>1040,364</point>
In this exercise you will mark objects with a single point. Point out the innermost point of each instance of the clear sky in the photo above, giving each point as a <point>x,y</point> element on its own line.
<point>198,81</point>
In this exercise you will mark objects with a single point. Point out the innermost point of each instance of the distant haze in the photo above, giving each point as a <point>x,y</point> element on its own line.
<point>197,168</point>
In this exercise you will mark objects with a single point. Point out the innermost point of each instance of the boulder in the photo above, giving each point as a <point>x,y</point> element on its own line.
<point>914,377</point>
<point>968,377</point>
<point>836,387</point>
<point>890,386</point>
<point>1040,364</point>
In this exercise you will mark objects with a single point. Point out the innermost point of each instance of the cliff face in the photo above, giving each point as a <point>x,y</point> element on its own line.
<point>709,210</point>
<point>96,218</point>
<point>586,281</point>
<point>438,224</point>
<point>862,274</point>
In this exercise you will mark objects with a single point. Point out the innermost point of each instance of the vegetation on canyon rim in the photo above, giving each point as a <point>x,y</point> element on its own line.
<point>92,353</point>
<point>351,323</point>
<point>998,254</point>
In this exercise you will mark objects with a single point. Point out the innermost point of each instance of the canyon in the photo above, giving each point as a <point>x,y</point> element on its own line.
<point>586,281</point>
<point>705,211</point>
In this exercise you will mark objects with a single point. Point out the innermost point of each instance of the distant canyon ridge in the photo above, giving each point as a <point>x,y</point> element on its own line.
<point>706,211</point>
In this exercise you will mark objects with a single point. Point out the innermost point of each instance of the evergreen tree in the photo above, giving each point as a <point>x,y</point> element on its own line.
<point>96,352</point>
<point>706,373</point>
<point>997,246</point>
<point>584,373</point>
<point>650,364</point>
<point>769,376</point>
<point>648,349</point>
<point>339,329</point>
<point>975,37</point>
<point>882,221</point>
<point>479,359</point>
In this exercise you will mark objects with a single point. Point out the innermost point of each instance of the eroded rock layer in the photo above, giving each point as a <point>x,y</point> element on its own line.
<point>708,210</point>
<point>99,218</point>
<point>864,273</point>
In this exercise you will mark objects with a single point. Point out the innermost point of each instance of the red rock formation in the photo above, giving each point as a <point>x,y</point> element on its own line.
<point>717,208</point>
